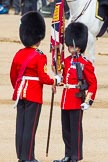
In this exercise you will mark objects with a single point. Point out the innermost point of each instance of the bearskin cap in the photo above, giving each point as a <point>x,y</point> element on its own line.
<point>79,33</point>
<point>32,28</point>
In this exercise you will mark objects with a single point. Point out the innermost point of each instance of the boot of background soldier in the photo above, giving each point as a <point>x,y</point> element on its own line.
<point>28,160</point>
<point>67,14</point>
<point>73,161</point>
<point>66,9</point>
<point>65,159</point>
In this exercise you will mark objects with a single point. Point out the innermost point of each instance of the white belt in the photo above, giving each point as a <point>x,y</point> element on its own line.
<point>70,86</point>
<point>21,86</point>
<point>30,78</point>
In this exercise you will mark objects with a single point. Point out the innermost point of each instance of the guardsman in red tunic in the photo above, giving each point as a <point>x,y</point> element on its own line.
<point>73,103</point>
<point>28,74</point>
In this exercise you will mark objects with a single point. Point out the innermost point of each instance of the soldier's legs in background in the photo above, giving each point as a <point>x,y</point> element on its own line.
<point>29,5</point>
<point>17,6</point>
<point>66,9</point>
<point>44,3</point>
<point>6,3</point>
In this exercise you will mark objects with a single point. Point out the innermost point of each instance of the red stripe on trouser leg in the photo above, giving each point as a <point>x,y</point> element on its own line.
<point>79,134</point>
<point>33,133</point>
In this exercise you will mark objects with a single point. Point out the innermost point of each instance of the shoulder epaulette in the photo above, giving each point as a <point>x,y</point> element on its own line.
<point>84,58</point>
<point>38,50</point>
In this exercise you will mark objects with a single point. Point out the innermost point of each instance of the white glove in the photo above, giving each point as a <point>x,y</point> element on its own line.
<point>58,79</point>
<point>85,106</point>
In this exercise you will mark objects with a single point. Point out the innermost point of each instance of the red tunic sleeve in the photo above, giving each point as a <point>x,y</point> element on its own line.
<point>42,71</point>
<point>91,79</point>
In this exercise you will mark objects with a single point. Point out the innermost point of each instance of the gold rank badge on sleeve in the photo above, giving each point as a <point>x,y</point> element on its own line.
<point>45,68</point>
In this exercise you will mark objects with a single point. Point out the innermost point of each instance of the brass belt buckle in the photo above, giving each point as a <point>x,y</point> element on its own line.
<point>67,86</point>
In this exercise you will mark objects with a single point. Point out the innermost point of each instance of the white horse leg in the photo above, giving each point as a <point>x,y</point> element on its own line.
<point>91,47</point>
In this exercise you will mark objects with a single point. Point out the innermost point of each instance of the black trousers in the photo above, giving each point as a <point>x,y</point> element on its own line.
<point>27,119</point>
<point>72,133</point>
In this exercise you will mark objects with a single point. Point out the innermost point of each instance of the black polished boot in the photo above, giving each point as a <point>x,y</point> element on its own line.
<point>31,160</point>
<point>65,159</point>
<point>73,161</point>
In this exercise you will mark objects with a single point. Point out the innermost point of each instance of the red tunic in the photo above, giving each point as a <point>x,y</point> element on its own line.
<point>69,100</point>
<point>32,89</point>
